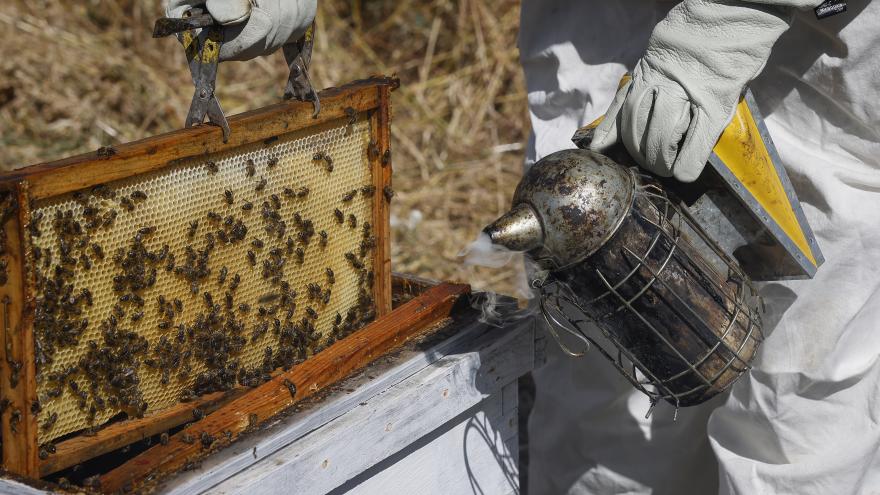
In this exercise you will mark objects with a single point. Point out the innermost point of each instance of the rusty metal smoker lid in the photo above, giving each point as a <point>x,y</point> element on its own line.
<point>577,197</point>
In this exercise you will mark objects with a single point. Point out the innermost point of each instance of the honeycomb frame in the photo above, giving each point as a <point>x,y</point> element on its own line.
<point>272,156</point>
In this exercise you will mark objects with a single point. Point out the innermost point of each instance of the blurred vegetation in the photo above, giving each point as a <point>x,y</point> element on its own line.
<point>76,75</point>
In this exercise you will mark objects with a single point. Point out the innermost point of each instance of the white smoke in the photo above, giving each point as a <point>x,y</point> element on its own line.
<point>482,252</point>
<point>499,310</point>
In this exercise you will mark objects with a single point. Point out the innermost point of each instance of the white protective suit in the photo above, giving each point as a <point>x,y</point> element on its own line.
<point>805,420</point>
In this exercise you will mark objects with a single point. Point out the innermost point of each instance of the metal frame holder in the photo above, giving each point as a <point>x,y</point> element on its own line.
<point>299,56</point>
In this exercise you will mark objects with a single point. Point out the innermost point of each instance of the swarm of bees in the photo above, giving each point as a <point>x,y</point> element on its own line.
<point>199,350</point>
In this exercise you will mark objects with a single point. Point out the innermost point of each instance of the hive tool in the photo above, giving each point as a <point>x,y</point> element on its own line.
<point>202,38</point>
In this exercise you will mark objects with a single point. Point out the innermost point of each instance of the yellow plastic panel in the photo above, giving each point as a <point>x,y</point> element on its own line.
<point>743,152</point>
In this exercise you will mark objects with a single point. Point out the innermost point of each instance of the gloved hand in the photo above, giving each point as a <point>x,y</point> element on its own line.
<point>685,88</point>
<point>253,28</point>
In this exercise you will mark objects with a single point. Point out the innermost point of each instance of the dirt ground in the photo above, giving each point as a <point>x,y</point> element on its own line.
<point>76,75</point>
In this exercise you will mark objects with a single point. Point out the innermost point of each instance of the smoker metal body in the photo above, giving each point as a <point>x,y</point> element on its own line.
<point>621,267</point>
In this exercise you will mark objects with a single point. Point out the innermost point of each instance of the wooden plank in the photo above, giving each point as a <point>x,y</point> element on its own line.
<point>117,435</point>
<point>273,397</point>
<point>15,487</point>
<point>374,381</point>
<point>390,423</point>
<point>381,163</point>
<point>19,426</point>
<point>71,174</point>
<point>476,453</point>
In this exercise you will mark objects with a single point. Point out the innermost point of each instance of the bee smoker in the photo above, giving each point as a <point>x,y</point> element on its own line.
<point>623,268</point>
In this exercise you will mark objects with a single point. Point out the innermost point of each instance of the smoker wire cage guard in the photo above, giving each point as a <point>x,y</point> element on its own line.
<point>660,300</point>
<point>308,197</point>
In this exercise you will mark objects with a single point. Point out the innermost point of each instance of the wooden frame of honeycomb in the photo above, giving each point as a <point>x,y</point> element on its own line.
<point>117,218</point>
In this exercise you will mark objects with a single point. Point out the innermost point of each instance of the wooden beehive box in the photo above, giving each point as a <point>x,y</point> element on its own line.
<point>143,281</point>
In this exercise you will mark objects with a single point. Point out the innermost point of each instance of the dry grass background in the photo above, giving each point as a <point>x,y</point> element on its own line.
<point>76,75</point>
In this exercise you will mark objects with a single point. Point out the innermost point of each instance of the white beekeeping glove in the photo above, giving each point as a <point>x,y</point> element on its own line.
<point>252,28</point>
<point>685,88</point>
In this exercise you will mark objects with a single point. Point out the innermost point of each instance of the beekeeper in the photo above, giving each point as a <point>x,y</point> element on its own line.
<point>805,420</point>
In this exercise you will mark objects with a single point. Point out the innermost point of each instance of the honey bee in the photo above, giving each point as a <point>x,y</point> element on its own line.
<point>145,231</point>
<point>331,278</point>
<point>276,202</point>
<point>252,258</point>
<point>86,294</point>
<point>138,195</point>
<point>228,197</point>
<point>261,185</point>
<point>214,217</point>
<point>244,307</point>
<point>290,388</point>
<point>323,242</point>
<point>97,250</point>
<point>221,277</point>
<point>109,218</point>
<point>368,190</point>
<point>312,313</point>
<point>102,191</point>
<point>247,206</point>
<point>49,422</point>
<point>126,203</point>
<point>322,156</point>
<point>349,195</point>
<point>249,168</point>
<point>302,192</point>
<point>212,167</point>
<point>351,113</point>
<point>271,162</point>
<point>163,439</point>
<point>257,243</point>
<point>352,221</point>
<point>355,262</point>
<point>236,279</point>
<point>388,192</point>
<point>135,317</point>
<point>300,255</point>
<point>340,217</point>
<point>93,482</point>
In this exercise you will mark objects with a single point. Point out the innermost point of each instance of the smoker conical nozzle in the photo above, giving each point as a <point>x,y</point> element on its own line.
<point>517,230</point>
<point>566,207</point>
